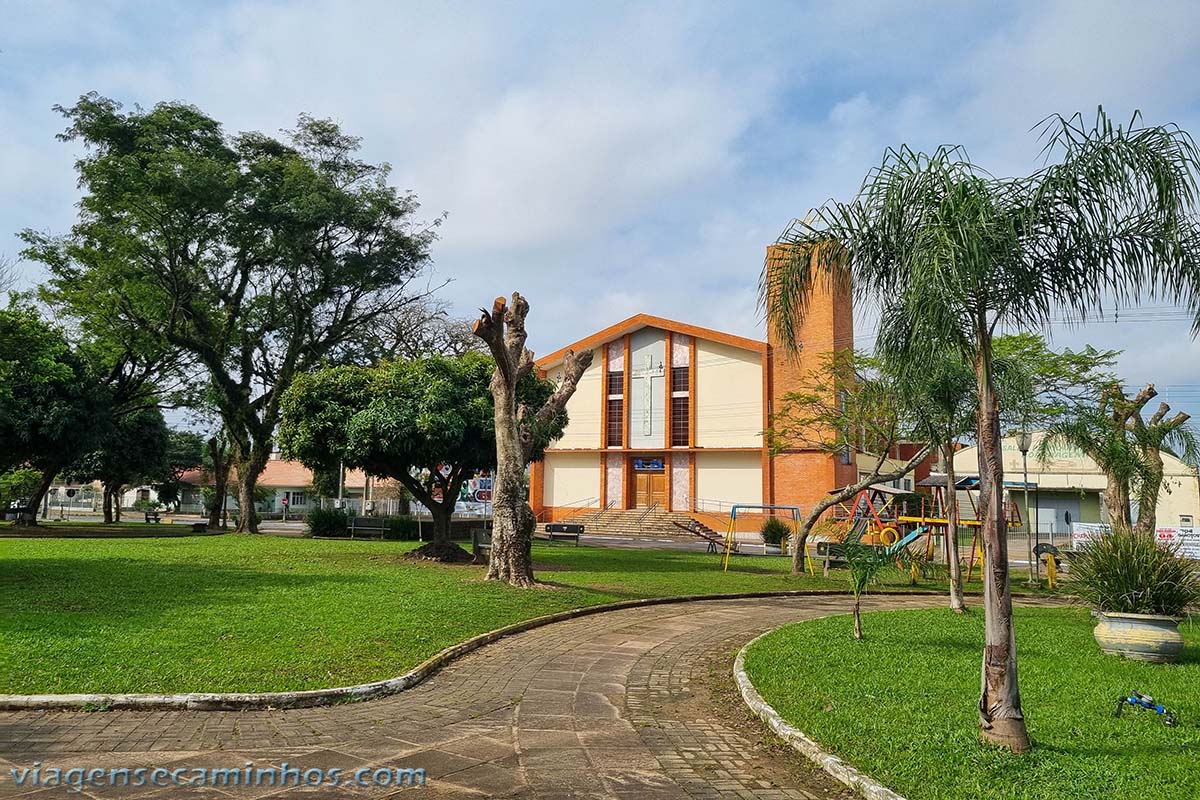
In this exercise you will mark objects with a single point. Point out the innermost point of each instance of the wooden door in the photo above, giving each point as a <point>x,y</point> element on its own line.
<point>658,489</point>
<point>641,490</point>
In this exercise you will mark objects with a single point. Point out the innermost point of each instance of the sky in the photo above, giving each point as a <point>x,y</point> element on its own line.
<point>609,159</point>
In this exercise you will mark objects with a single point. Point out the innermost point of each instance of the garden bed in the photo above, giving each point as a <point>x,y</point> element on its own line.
<point>901,706</point>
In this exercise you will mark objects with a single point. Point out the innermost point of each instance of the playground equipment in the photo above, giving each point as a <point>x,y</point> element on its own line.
<point>730,545</point>
<point>1145,701</point>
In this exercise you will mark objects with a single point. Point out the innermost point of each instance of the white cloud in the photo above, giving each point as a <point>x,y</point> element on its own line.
<point>607,160</point>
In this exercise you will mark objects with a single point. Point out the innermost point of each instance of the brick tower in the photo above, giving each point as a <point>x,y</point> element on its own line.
<point>800,476</point>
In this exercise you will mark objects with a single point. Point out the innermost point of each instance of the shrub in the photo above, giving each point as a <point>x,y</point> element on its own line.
<point>1125,572</point>
<point>774,530</point>
<point>402,529</point>
<point>328,522</point>
<point>146,505</point>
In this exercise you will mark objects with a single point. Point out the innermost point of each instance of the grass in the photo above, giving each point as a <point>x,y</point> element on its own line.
<point>901,706</point>
<point>265,613</point>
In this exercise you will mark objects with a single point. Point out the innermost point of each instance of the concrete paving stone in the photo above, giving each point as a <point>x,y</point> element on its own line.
<point>621,704</point>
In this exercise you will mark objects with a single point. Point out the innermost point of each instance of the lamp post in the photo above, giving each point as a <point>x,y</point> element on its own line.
<point>1024,441</point>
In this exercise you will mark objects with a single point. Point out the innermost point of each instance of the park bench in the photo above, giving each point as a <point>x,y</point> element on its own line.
<point>370,525</point>
<point>481,542</point>
<point>563,530</point>
<point>152,516</point>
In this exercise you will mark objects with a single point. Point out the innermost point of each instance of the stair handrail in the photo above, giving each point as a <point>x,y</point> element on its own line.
<point>595,518</point>
<point>642,518</point>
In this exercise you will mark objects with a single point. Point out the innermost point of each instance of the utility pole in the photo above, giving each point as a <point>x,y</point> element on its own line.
<point>1025,441</point>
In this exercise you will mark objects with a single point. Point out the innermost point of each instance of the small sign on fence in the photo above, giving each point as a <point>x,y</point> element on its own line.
<point>1187,540</point>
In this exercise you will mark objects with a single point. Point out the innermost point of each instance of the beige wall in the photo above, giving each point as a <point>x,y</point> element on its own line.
<point>729,389</point>
<point>728,478</point>
<point>583,409</point>
<point>572,478</point>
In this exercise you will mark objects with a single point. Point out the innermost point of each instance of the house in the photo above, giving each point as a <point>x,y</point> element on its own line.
<point>281,479</point>
<point>1069,487</point>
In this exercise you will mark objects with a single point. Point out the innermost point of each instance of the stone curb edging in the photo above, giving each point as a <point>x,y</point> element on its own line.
<point>213,701</point>
<point>841,771</point>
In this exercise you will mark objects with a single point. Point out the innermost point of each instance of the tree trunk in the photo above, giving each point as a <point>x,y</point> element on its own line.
<point>1000,716</point>
<point>33,507</point>
<point>512,518</point>
<point>858,633</point>
<point>249,469</point>
<point>845,493</point>
<point>953,563</point>
<point>1116,500</point>
<point>216,514</point>
<point>511,558</point>
<point>1147,519</point>
<point>108,512</point>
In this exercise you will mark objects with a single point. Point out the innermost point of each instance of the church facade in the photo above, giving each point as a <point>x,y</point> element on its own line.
<point>671,415</point>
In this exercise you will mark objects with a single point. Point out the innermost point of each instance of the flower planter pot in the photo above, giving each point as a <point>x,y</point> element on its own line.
<point>1144,637</point>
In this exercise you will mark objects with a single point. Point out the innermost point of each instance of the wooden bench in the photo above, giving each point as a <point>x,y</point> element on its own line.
<point>152,516</point>
<point>481,542</point>
<point>564,531</point>
<point>379,525</point>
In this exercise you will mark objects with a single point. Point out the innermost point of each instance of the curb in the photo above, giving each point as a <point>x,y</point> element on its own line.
<point>841,771</point>
<point>212,701</point>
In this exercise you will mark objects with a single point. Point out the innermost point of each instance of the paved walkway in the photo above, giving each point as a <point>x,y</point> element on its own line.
<point>637,703</point>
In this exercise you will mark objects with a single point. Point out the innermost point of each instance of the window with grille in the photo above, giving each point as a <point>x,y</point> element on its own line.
<point>616,384</point>
<point>679,379</point>
<point>679,421</point>
<point>614,436</point>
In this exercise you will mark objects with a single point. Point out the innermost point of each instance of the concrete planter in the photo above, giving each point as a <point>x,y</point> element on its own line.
<point>772,549</point>
<point>1143,637</point>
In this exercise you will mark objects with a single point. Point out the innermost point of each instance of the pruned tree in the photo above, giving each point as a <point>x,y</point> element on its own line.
<point>841,407</point>
<point>518,428</point>
<point>8,276</point>
<point>1127,447</point>
<point>951,253</point>
<point>259,258</point>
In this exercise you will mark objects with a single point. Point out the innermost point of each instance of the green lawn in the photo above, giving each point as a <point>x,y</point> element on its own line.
<point>901,706</point>
<point>266,613</point>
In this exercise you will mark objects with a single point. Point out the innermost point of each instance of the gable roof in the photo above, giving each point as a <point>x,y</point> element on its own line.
<point>639,321</point>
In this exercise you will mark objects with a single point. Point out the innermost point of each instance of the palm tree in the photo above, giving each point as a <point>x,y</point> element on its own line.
<point>949,252</point>
<point>942,391</point>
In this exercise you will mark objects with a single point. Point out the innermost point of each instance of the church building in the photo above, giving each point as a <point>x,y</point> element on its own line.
<point>670,416</point>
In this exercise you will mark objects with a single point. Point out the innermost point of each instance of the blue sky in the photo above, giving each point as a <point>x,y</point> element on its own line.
<point>610,159</point>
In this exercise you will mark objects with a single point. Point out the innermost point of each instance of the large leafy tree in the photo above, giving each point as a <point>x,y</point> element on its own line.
<point>257,257</point>
<point>53,407</point>
<point>426,423</point>
<point>184,452</point>
<point>950,252</point>
<point>133,450</point>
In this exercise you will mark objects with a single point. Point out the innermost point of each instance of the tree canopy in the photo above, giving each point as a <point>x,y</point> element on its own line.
<point>257,258</point>
<point>426,423</point>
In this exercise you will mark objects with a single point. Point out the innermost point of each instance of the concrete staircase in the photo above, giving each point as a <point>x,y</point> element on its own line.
<point>653,524</point>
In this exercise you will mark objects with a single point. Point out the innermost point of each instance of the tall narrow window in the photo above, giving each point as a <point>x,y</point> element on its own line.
<point>614,436</point>
<point>679,407</point>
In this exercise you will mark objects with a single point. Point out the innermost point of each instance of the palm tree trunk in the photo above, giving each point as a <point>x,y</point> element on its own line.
<point>1000,716</point>
<point>953,564</point>
<point>858,632</point>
